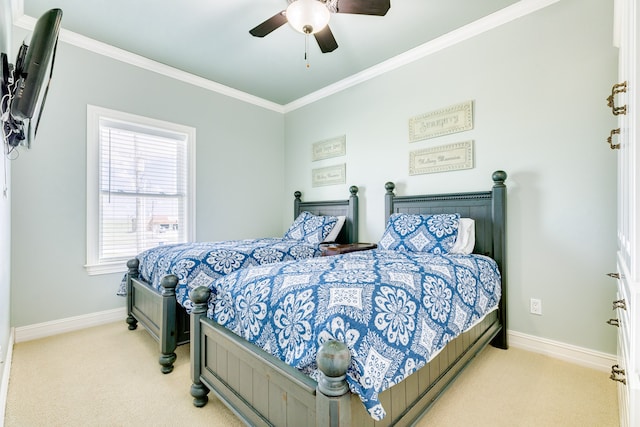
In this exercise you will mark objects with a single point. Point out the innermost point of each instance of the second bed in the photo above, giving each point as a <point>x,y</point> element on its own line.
<point>158,280</point>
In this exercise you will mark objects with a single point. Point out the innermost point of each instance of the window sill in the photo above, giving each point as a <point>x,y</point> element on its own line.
<point>106,268</point>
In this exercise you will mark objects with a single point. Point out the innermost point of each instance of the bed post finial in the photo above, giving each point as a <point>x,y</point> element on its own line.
<point>333,360</point>
<point>389,186</point>
<point>200,297</point>
<point>297,195</point>
<point>168,284</point>
<point>133,265</point>
<point>333,400</point>
<point>499,177</point>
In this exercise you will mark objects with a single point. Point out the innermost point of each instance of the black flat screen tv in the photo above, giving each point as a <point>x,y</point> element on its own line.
<point>32,74</point>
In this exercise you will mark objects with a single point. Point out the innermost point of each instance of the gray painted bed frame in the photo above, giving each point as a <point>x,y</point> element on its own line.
<point>168,322</point>
<point>263,391</point>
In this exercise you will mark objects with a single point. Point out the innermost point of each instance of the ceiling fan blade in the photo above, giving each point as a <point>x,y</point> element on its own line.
<point>275,22</point>
<point>364,7</point>
<point>325,40</point>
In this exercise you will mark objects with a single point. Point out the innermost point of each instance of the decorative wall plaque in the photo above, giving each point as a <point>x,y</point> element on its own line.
<point>328,148</point>
<point>452,119</point>
<point>445,158</point>
<point>330,175</point>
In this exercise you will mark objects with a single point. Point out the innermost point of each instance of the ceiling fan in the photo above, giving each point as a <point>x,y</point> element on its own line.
<point>312,17</point>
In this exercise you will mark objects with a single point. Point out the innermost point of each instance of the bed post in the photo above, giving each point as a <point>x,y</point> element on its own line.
<point>296,204</point>
<point>353,209</point>
<point>200,297</point>
<point>388,200</point>
<point>133,273</point>
<point>499,199</point>
<point>333,401</point>
<point>168,334</point>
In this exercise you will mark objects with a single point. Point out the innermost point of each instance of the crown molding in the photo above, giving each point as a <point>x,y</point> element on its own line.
<point>489,22</point>
<point>28,23</point>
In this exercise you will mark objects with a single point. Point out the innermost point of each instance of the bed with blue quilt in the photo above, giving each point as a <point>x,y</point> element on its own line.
<point>159,279</point>
<point>364,338</point>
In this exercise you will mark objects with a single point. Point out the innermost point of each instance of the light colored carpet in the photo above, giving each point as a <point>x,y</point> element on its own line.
<point>517,388</point>
<point>109,376</point>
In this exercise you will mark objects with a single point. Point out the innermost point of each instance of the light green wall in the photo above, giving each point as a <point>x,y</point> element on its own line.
<point>239,170</point>
<point>539,85</point>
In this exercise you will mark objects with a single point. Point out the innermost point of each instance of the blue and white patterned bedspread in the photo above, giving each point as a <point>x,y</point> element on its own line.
<point>199,264</point>
<point>394,310</point>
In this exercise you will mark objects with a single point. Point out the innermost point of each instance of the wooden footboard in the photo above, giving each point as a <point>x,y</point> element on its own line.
<point>263,390</point>
<point>159,313</point>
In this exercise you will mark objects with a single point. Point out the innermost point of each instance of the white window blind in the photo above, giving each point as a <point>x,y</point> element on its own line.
<point>143,189</point>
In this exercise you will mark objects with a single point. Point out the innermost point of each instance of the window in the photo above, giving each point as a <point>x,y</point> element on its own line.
<point>140,187</point>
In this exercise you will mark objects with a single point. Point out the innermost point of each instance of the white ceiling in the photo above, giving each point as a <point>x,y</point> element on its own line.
<point>211,40</point>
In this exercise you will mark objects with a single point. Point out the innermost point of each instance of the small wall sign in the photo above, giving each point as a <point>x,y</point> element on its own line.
<point>444,158</point>
<point>330,175</point>
<point>452,119</point>
<point>328,148</point>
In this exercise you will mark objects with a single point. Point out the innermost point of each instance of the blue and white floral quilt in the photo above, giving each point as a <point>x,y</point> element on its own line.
<point>199,264</point>
<point>395,310</point>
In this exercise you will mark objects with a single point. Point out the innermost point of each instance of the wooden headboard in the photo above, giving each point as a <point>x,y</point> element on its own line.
<point>487,208</point>
<point>347,208</point>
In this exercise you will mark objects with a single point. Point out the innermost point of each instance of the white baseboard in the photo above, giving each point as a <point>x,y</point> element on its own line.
<point>55,327</point>
<point>567,352</point>
<point>4,384</point>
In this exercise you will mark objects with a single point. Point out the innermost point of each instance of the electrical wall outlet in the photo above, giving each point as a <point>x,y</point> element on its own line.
<point>536,306</point>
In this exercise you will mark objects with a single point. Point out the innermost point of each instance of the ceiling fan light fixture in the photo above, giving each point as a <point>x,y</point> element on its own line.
<point>308,16</point>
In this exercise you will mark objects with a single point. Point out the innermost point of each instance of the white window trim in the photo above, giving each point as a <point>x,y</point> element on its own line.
<point>94,114</point>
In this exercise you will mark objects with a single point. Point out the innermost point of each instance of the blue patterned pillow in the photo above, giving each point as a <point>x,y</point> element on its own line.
<point>420,233</point>
<point>311,228</point>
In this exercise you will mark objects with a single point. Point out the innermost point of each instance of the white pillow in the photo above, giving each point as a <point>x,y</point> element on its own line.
<point>466,239</point>
<point>333,234</point>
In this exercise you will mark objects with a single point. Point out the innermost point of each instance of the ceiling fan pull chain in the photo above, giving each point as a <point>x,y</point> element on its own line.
<point>306,49</point>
